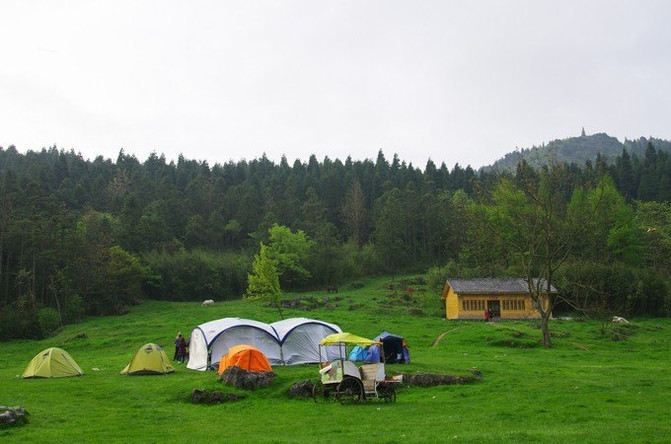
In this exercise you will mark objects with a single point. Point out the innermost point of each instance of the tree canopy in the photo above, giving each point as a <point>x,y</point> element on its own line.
<point>84,237</point>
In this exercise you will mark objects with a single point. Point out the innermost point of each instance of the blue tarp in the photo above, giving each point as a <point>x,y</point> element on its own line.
<point>358,353</point>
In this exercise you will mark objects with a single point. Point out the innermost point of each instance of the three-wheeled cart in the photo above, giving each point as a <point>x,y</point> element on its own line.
<point>343,380</point>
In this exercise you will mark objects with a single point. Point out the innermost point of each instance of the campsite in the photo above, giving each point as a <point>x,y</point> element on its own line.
<point>587,388</point>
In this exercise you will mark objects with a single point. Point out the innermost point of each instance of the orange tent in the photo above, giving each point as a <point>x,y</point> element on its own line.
<point>246,357</point>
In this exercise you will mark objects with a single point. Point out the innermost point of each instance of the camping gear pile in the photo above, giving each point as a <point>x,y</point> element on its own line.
<point>342,379</point>
<point>395,350</point>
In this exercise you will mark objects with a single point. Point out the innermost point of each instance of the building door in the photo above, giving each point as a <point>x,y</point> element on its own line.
<point>494,308</point>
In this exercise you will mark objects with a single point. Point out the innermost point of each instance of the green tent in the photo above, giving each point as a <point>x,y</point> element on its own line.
<point>150,359</point>
<point>53,362</point>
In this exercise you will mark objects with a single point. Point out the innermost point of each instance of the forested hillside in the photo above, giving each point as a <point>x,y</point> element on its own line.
<point>80,237</point>
<point>596,147</point>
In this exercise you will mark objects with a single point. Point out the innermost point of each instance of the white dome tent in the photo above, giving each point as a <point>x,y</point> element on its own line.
<point>300,338</point>
<point>220,335</point>
<point>289,342</point>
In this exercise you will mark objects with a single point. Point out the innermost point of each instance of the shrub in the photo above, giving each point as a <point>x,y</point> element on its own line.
<point>198,275</point>
<point>604,290</point>
<point>48,320</point>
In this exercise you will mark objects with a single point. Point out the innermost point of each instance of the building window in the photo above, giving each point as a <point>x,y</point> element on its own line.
<point>514,304</point>
<point>473,305</point>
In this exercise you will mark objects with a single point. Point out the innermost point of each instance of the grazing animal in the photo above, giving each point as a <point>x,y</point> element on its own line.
<point>208,302</point>
<point>331,289</point>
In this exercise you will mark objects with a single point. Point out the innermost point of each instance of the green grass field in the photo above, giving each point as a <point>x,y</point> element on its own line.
<point>586,389</point>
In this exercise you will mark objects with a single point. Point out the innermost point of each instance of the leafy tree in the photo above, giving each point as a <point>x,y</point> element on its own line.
<point>263,281</point>
<point>654,221</point>
<point>534,224</point>
<point>612,233</point>
<point>196,233</point>
<point>290,252</point>
<point>125,275</point>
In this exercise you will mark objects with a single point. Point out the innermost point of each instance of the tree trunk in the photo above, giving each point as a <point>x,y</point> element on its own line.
<point>547,339</point>
<point>2,236</point>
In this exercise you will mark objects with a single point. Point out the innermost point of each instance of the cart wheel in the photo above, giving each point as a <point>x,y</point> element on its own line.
<point>320,392</point>
<point>350,390</point>
<point>389,394</point>
<point>317,391</point>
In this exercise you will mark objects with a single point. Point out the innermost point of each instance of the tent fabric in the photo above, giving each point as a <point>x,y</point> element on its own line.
<point>52,362</point>
<point>150,359</point>
<point>358,353</point>
<point>300,337</point>
<point>217,337</point>
<point>347,338</point>
<point>395,350</point>
<point>246,357</point>
<point>289,341</point>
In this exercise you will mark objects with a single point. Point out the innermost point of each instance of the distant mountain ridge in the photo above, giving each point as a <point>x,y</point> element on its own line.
<point>577,150</point>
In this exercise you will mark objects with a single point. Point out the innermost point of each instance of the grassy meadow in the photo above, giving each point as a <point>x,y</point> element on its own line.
<point>587,389</point>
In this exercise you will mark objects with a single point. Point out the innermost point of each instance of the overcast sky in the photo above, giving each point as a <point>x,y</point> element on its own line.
<point>455,81</point>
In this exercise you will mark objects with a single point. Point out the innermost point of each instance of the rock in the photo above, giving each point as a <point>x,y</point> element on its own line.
<point>240,378</point>
<point>433,379</point>
<point>302,389</point>
<point>12,416</point>
<point>215,397</point>
<point>619,320</point>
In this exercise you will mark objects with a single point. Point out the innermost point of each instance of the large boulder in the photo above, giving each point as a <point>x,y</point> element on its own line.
<point>240,378</point>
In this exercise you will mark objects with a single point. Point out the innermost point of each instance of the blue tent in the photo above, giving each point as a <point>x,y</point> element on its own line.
<point>395,350</point>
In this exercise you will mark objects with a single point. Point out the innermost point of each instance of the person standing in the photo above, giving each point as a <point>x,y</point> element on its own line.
<point>181,349</point>
<point>179,335</point>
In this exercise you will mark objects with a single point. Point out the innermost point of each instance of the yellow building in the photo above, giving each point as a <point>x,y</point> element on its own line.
<point>504,298</point>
